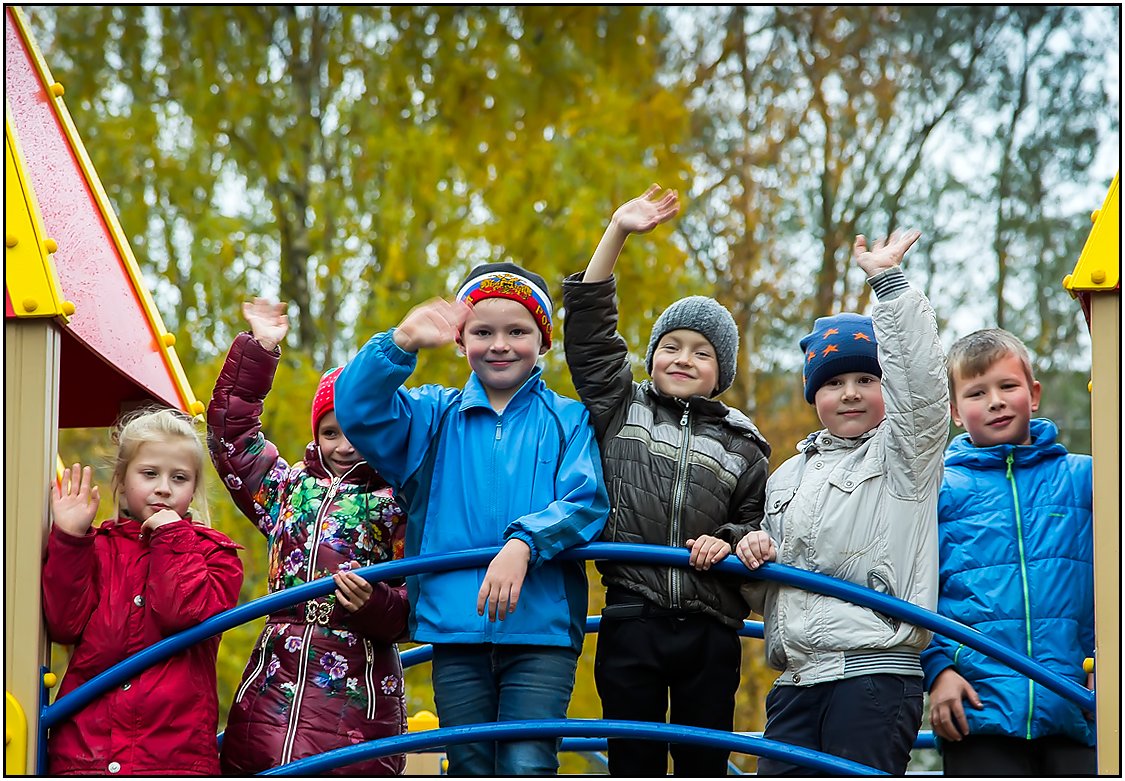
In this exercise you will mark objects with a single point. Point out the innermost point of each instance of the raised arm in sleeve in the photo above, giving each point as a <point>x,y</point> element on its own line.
<point>596,353</point>
<point>914,384</point>
<point>248,463</point>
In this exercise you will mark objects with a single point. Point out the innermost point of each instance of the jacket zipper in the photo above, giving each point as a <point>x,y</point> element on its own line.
<point>616,499</point>
<point>1026,598</point>
<point>302,667</point>
<point>679,491</point>
<point>368,669</point>
<point>957,653</point>
<point>261,663</point>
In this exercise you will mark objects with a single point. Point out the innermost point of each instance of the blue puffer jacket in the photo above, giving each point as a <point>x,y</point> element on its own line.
<point>474,479</point>
<point>1015,532</point>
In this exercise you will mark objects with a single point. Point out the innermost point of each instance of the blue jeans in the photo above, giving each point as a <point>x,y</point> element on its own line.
<point>485,683</point>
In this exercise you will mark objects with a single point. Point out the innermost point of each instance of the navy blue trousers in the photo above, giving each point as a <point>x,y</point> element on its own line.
<point>871,719</point>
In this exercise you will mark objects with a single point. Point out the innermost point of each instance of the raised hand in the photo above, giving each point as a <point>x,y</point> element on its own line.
<point>74,502</point>
<point>432,324</point>
<point>646,211</point>
<point>639,215</point>
<point>886,252</point>
<point>268,321</point>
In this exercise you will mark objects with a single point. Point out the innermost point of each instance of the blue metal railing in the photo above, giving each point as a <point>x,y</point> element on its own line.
<point>573,728</point>
<point>644,554</point>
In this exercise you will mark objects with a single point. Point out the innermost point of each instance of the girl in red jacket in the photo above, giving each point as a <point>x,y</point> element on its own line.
<point>155,569</point>
<point>324,674</point>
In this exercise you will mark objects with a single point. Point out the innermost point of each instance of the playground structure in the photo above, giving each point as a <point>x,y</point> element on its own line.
<point>84,342</point>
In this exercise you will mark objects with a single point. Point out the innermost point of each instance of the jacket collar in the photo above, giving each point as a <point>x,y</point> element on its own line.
<point>474,394</point>
<point>823,441</point>
<point>700,405</point>
<point>1044,445</point>
<point>360,474</point>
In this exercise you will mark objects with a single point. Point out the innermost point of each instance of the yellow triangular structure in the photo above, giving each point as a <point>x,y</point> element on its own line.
<point>1099,265</point>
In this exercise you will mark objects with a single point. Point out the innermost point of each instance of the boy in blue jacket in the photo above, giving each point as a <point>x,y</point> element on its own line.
<point>502,461</point>
<point>1015,538</point>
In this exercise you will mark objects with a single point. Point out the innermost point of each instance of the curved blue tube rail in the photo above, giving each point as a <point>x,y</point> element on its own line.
<point>645,554</point>
<point>573,728</point>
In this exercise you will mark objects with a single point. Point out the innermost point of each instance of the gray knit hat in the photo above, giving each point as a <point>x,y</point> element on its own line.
<point>708,317</point>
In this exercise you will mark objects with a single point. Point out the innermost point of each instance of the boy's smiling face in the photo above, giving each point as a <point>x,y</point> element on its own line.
<point>502,344</point>
<point>996,407</point>
<point>684,365</point>
<point>851,404</point>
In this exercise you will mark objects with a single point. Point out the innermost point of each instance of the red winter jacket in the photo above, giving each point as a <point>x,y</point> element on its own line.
<point>112,593</point>
<point>319,678</point>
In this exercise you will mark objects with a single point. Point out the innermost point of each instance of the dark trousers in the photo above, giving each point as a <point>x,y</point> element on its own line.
<point>870,719</point>
<point>641,663</point>
<point>1001,755</point>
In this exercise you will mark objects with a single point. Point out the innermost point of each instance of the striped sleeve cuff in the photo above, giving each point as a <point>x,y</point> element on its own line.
<point>889,284</point>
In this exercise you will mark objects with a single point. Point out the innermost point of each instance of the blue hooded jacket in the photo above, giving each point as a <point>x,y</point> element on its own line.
<point>1015,535</point>
<point>470,478</point>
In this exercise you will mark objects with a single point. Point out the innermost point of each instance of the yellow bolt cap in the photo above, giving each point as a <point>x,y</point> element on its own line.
<point>30,305</point>
<point>197,407</point>
<point>68,308</point>
<point>50,245</point>
<point>1094,215</point>
<point>1097,276</point>
<point>49,680</point>
<point>1088,665</point>
<point>57,89</point>
<point>169,339</point>
<point>11,240</point>
<point>1090,386</point>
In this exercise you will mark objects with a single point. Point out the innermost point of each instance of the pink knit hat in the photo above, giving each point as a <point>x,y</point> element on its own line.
<point>325,399</point>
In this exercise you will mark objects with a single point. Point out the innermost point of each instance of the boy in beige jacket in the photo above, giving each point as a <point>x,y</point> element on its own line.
<point>859,503</point>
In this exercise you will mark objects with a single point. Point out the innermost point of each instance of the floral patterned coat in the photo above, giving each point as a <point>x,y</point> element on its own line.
<point>319,677</point>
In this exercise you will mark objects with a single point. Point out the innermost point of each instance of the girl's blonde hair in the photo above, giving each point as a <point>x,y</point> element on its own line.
<point>159,424</point>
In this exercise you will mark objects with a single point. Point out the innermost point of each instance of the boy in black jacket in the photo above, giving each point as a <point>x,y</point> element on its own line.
<point>683,470</point>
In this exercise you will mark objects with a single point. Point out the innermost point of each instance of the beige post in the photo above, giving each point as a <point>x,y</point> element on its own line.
<point>31,391</point>
<point>1105,405</point>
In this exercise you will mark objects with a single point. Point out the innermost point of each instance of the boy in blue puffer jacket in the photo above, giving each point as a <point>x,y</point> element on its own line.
<point>1015,533</point>
<point>504,461</point>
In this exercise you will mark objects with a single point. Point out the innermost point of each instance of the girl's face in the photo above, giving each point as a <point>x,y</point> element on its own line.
<point>162,475</point>
<point>338,453</point>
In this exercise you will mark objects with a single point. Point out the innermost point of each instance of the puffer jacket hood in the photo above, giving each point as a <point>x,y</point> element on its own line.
<point>1015,530</point>
<point>676,469</point>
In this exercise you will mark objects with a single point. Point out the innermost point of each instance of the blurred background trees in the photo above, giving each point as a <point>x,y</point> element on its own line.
<point>355,161</point>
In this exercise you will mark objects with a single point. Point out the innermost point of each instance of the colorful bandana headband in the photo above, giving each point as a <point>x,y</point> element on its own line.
<point>507,280</point>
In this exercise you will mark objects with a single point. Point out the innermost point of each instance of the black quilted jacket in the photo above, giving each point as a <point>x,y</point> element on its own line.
<point>675,469</point>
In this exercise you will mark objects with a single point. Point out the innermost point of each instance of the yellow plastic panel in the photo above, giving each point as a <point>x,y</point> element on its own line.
<point>15,737</point>
<point>29,274</point>
<point>1098,265</point>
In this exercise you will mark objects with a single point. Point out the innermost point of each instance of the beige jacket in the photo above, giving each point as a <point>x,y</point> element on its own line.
<point>863,510</point>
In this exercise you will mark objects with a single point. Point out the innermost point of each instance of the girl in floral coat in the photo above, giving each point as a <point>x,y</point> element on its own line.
<point>325,673</point>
